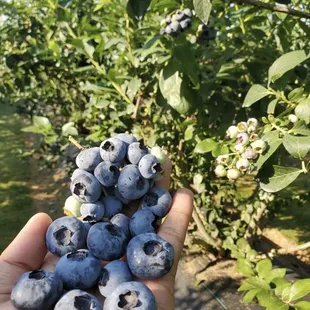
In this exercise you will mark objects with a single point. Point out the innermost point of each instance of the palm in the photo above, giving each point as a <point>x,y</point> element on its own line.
<point>28,250</point>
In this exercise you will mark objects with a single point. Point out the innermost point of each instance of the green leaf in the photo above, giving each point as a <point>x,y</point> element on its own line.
<point>302,110</point>
<point>244,267</point>
<point>297,146</point>
<point>33,129</point>
<point>295,94</point>
<point>299,289</point>
<point>275,274</point>
<point>263,268</point>
<point>189,132</point>
<point>255,93</point>
<point>301,129</point>
<point>270,301</point>
<point>272,105</point>
<point>281,285</point>
<point>69,129</point>
<point>89,49</point>
<point>285,63</point>
<point>205,146</point>
<point>273,141</point>
<point>281,178</point>
<point>302,305</point>
<point>220,150</point>
<point>202,9</point>
<point>170,84</point>
<point>250,295</point>
<point>101,4</point>
<point>138,8</point>
<point>133,87</point>
<point>42,122</point>
<point>253,282</point>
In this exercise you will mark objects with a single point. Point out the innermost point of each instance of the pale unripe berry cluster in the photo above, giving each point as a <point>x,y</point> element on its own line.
<point>246,149</point>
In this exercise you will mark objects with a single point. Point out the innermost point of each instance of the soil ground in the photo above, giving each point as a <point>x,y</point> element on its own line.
<point>26,188</point>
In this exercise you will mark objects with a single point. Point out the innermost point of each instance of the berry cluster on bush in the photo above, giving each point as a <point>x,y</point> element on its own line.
<point>246,148</point>
<point>177,23</point>
<point>120,172</point>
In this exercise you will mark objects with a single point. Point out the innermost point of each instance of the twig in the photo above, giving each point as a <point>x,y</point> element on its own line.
<point>294,249</point>
<point>275,7</point>
<point>138,103</point>
<point>77,144</point>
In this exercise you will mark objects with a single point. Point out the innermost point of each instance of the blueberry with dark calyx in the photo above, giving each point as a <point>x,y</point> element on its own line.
<point>92,211</point>
<point>122,221</point>
<point>158,200</point>
<point>136,151</point>
<point>76,172</point>
<point>186,23</point>
<point>120,197</point>
<point>85,188</point>
<point>78,300</point>
<point>126,137</point>
<point>131,184</point>
<point>36,290</point>
<point>149,256</point>
<point>175,26</point>
<point>143,221</point>
<point>78,270</point>
<point>113,150</point>
<point>112,206</point>
<point>106,241</point>
<point>149,166</point>
<point>179,14</point>
<point>131,295</point>
<point>89,159</point>
<point>64,235</point>
<point>112,275</point>
<point>188,12</point>
<point>107,173</point>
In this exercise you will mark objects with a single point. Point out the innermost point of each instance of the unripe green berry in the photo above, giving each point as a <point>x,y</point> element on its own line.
<point>233,174</point>
<point>232,132</point>
<point>222,159</point>
<point>239,148</point>
<point>242,164</point>
<point>220,171</point>
<point>242,138</point>
<point>293,118</point>
<point>72,207</point>
<point>251,129</point>
<point>159,154</point>
<point>252,122</point>
<point>259,146</point>
<point>242,127</point>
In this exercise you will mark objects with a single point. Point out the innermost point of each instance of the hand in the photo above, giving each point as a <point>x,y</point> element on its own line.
<point>28,250</point>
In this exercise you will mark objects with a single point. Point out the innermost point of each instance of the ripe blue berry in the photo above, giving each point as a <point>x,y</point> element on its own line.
<point>88,159</point>
<point>64,235</point>
<point>158,201</point>
<point>92,212</point>
<point>143,221</point>
<point>78,300</point>
<point>107,173</point>
<point>127,138</point>
<point>131,295</point>
<point>78,270</point>
<point>106,241</point>
<point>35,290</point>
<point>122,221</point>
<point>149,166</point>
<point>113,150</point>
<point>112,275</point>
<point>135,152</point>
<point>149,256</point>
<point>112,206</point>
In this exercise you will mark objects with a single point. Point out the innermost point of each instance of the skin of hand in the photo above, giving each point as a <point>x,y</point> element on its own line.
<point>28,250</point>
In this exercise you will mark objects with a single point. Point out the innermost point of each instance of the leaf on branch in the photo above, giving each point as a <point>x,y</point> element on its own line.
<point>297,146</point>
<point>280,177</point>
<point>255,93</point>
<point>285,63</point>
<point>138,8</point>
<point>205,146</point>
<point>302,110</point>
<point>299,289</point>
<point>203,10</point>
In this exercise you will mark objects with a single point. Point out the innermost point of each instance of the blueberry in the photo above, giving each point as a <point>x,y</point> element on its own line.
<point>88,159</point>
<point>85,188</point>
<point>158,201</point>
<point>162,31</point>
<point>149,166</point>
<point>106,241</point>
<point>113,150</point>
<point>120,197</point>
<point>76,172</point>
<point>127,138</point>
<point>149,256</point>
<point>186,23</point>
<point>136,151</point>
<point>78,270</point>
<point>107,173</point>
<point>122,221</point>
<point>175,26</point>
<point>188,12</point>
<point>112,206</point>
<point>131,295</point>
<point>64,235</point>
<point>72,207</point>
<point>131,184</point>
<point>143,221</point>
<point>78,300</point>
<point>168,19</point>
<point>93,211</point>
<point>179,15</point>
<point>112,275</point>
<point>168,29</point>
<point>36,290</point>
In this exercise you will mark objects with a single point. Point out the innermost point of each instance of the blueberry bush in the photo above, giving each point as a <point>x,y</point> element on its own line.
<point>224,87</point>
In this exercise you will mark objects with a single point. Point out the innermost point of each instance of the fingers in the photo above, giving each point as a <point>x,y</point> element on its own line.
<point>28,249</point>
<point>165,181</point>
<point>176,223</point>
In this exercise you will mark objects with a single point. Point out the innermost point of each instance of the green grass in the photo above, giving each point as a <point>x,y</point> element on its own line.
<point>15,202</point>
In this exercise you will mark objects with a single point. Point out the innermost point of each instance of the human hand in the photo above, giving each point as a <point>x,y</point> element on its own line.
<point>28,250</point>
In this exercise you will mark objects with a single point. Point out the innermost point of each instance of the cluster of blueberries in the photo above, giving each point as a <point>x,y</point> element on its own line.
<point>108,178</point>
<point>178,22</point>
<point>246,148</point>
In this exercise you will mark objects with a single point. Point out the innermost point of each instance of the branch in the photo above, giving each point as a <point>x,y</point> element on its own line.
<point>275,8</point>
